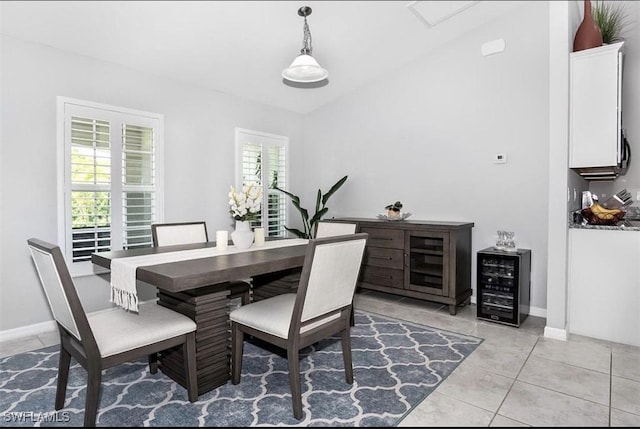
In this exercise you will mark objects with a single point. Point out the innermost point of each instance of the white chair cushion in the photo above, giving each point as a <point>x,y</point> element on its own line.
<point>119,331</point>
<point>272,315</point>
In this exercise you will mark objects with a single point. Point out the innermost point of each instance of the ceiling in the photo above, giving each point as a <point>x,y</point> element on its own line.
<point>241,47</point>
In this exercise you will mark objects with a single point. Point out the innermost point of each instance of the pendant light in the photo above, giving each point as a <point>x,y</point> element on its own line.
<point>305,68</point>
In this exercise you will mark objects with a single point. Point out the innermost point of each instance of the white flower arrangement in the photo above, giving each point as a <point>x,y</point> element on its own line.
<point>245,205</point>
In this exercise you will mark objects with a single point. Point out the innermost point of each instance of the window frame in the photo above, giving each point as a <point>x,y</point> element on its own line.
<point>66,107</point>
<point>266,140</point>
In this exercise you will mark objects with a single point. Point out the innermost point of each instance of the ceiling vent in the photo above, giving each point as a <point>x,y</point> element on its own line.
<point>433,13</point>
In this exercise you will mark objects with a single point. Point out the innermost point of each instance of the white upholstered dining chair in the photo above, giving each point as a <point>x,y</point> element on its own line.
<point>171,234</point>
<point>104,339</point>
<point>319,309</point>
<point>330,229</point>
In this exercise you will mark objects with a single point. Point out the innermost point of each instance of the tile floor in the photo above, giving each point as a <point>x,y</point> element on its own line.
<point>515,378</point>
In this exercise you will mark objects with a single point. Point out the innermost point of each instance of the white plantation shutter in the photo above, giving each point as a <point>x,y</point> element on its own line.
<point>138,196</point>
<point>276,201</point>
<point>111,179</point>
<point>90,201</point>
<point>262,159</point>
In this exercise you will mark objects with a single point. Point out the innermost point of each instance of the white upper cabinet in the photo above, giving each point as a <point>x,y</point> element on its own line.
<point>595,109</point>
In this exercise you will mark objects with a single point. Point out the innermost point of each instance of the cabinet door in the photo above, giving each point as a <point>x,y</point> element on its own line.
<point>604,285</point>
<point>595,104</point>
<point>427,262</point>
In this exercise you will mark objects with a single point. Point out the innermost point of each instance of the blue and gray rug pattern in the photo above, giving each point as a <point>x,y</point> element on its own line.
<point>396,363</point>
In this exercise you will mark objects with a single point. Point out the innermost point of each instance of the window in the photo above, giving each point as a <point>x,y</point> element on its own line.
<point>110,184</point>
<point>262,158</point>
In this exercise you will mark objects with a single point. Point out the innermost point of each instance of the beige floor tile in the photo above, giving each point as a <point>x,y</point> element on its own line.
<point>625,394</point>
<point>536,406</point>
<point>10,348</point>
<point>441,410</point>
<point>533,325</point>
<point>623,419</point>
<point>421,304</point>
<point>592,355</point>
<point>502,421</point>
<point>503,360</point>
<point>415,314</point>
<point>49,338</point>
<point>564,378</point>
<point>503,335</point>
<point>625,362</point>
<point>476,386</point>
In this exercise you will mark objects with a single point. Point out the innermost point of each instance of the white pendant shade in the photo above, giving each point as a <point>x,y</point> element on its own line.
<point>305,68</point>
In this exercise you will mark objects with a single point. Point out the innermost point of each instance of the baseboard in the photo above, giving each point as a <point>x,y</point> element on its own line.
<point>555,333</point>
<point>42,327</point>
<point>28,331</point>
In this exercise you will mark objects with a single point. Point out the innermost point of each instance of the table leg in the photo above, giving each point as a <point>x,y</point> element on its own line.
<point>208,308</point>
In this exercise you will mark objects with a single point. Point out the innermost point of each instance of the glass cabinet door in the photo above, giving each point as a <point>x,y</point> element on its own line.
<point>427,262</point>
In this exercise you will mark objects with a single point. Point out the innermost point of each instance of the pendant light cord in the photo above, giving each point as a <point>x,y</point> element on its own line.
<point>306,42</point>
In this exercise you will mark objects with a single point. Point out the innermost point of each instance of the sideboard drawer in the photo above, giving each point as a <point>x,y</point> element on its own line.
<point>384,237</point>
<point>383,257</point>
<point>382,276</point>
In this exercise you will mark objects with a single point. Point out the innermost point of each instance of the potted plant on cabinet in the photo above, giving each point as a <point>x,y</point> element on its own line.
<point>310,224</point>
<point>611,19</point>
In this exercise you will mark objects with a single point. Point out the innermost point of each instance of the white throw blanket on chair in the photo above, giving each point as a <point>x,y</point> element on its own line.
<point>123,270</point>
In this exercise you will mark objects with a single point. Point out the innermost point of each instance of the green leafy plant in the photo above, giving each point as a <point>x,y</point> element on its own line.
<point>611,19</point>
<point>310,224</point>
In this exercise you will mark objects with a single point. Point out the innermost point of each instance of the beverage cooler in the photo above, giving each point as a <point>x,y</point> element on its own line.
<point>503,285</point>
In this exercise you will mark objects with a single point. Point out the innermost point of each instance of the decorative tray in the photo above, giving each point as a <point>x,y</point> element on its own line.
<point>402,216</point>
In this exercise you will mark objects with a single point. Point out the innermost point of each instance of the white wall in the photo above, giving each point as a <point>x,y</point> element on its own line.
<point>199,153</point>
<point>563,20</point>
<point>427,134</point>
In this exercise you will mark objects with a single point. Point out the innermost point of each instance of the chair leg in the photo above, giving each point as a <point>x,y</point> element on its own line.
<point>246,297</point>
<point>189,351</point>
<point>94,381</point>
<point>294,381</point>
<point>346,355</point>
<point>237,345</point>
<point>153,363</point>
<point>63,377</point>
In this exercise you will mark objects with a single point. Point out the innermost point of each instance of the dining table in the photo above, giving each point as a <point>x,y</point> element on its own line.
<point>199,288</point>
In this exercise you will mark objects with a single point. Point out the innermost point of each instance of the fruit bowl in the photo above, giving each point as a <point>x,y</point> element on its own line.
<point>602,218</point>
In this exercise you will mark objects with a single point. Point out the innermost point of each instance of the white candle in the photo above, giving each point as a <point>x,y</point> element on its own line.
<point>222,240</point>
<point>259,236</point>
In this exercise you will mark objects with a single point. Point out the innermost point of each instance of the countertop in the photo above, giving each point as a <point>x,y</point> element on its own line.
<point>633,225</point>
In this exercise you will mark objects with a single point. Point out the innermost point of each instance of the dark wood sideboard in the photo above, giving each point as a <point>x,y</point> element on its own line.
<point>427,260</point>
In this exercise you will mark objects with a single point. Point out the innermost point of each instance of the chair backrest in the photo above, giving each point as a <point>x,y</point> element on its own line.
<point>329,275</point>
<point>60,290</point>
<point>170,234</point>
<point>330,229</point>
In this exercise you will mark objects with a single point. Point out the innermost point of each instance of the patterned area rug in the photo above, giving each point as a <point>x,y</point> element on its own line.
<point>396,365</point>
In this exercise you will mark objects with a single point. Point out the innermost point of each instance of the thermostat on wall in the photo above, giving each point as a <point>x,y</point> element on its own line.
<point>500,158</point>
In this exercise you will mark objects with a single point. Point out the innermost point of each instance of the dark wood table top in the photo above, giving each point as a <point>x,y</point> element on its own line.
<point>195,273</point>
